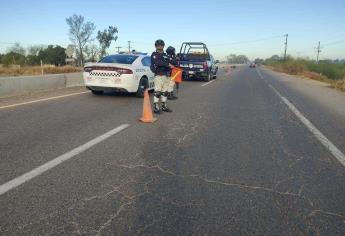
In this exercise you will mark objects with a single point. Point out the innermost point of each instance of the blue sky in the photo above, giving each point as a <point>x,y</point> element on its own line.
<point>253,28</point>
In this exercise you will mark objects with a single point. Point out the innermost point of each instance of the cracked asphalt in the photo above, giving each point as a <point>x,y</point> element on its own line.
<point>232,159</point>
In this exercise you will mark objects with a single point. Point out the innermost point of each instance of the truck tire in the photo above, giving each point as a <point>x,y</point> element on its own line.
<point>208,77</point>
<point>215,74</point>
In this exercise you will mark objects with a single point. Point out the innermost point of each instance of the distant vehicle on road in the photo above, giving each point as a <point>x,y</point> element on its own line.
<point>197,62</point>
<point>120,73</point>
<point>252,65</point>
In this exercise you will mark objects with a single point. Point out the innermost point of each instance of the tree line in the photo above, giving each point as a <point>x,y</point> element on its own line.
<point>33,55</point>
<point>86,46</point>
<point>277,58</point>
<point>241,59</point>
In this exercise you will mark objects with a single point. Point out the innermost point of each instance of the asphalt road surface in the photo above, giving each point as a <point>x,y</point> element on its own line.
<point>252,153</point>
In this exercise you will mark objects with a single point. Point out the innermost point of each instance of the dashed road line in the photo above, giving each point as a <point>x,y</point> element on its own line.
<point>58,160</point>
<point>207,83</point>
<point>42,100</point>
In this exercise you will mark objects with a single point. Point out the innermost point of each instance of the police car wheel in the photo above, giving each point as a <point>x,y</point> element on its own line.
<point>143,84</point>
<point>97,92</point>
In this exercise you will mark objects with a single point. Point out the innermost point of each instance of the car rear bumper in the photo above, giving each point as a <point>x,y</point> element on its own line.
<point>126,84</point>
<point>190,74</point>
<point>107,89</point>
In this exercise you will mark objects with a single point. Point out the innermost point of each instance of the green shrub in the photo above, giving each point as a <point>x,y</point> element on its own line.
<point>332,71</point>
<point>298,66</point>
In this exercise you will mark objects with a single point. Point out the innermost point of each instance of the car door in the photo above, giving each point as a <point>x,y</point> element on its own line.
<point>146,61</point>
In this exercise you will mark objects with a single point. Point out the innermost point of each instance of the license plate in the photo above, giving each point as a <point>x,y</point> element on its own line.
<point>117,81</point>
<point>191,72</point>
<point>103,80</point>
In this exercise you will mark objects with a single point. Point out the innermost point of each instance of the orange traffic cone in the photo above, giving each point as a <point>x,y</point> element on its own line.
<point>147,110</point>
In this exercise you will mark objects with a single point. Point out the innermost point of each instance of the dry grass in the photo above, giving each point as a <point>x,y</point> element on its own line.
<point>302,72</point>
<point>36,70</point>
<point>340,84</point>
<point>315,76</point>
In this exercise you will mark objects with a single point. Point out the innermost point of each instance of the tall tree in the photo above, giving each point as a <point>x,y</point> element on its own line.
<point>13,58</point>
<point>105,38</point>
<point>80,33</point>
<point>53,55</point>
<point>17,48</point>
<point>92,52</point>
<point>32,54</point>
<point>34,50</point>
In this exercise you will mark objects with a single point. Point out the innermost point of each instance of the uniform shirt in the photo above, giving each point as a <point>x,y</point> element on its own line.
<point>161,63</point>
<point>173,60</point>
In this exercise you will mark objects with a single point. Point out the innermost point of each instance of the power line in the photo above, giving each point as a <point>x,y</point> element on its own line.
<point>335,42</point>
<point>6,43</point>
<point>245,42</point>
<point>39,44</point>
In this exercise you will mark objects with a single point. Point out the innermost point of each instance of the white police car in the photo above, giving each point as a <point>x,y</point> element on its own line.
<point>120,73</point>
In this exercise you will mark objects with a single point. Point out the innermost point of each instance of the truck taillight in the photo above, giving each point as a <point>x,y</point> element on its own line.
<point>205,65</point>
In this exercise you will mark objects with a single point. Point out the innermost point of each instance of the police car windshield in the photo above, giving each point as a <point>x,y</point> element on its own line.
<point>121,59</point>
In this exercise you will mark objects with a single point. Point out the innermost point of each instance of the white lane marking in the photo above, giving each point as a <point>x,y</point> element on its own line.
<point>58,160</point>
<point>41,100</point>
<point>317,133</point>
<point>259,73</point>
<point>207,83</point>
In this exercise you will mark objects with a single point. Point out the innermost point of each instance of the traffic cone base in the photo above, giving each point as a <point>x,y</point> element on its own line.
<point>147,110</point>
<point>148,120</point>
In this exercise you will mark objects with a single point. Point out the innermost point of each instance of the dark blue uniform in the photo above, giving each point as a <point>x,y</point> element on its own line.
<point>160,63</point>
<point>173,60</point>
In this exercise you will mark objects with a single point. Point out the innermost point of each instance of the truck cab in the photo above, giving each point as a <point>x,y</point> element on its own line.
<point>197,62</point>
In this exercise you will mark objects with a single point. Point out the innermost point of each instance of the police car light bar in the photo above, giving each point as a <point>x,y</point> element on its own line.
<point>140,53</point>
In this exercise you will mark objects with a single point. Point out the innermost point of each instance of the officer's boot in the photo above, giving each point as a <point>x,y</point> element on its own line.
<point>156,108</point>
<point>172,96</point>
<point>165,108</point>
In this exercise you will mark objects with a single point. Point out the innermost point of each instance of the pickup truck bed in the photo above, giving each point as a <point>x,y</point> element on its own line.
<point>197,62</point>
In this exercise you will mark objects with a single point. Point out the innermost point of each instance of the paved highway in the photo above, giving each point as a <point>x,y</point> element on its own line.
<point>253,152</point>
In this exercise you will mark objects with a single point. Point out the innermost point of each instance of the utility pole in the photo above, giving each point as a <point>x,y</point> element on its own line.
<point>286,41</point>
<point>118,49</point>
<point>318,50</point>
<point>129,46</point>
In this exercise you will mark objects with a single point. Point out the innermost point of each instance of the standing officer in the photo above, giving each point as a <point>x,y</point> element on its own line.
<point>162,68</point>
<point>174,61</point>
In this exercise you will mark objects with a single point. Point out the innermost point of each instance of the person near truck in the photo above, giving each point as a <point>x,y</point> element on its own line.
<point>174,61</point>
<point>161,67</point>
